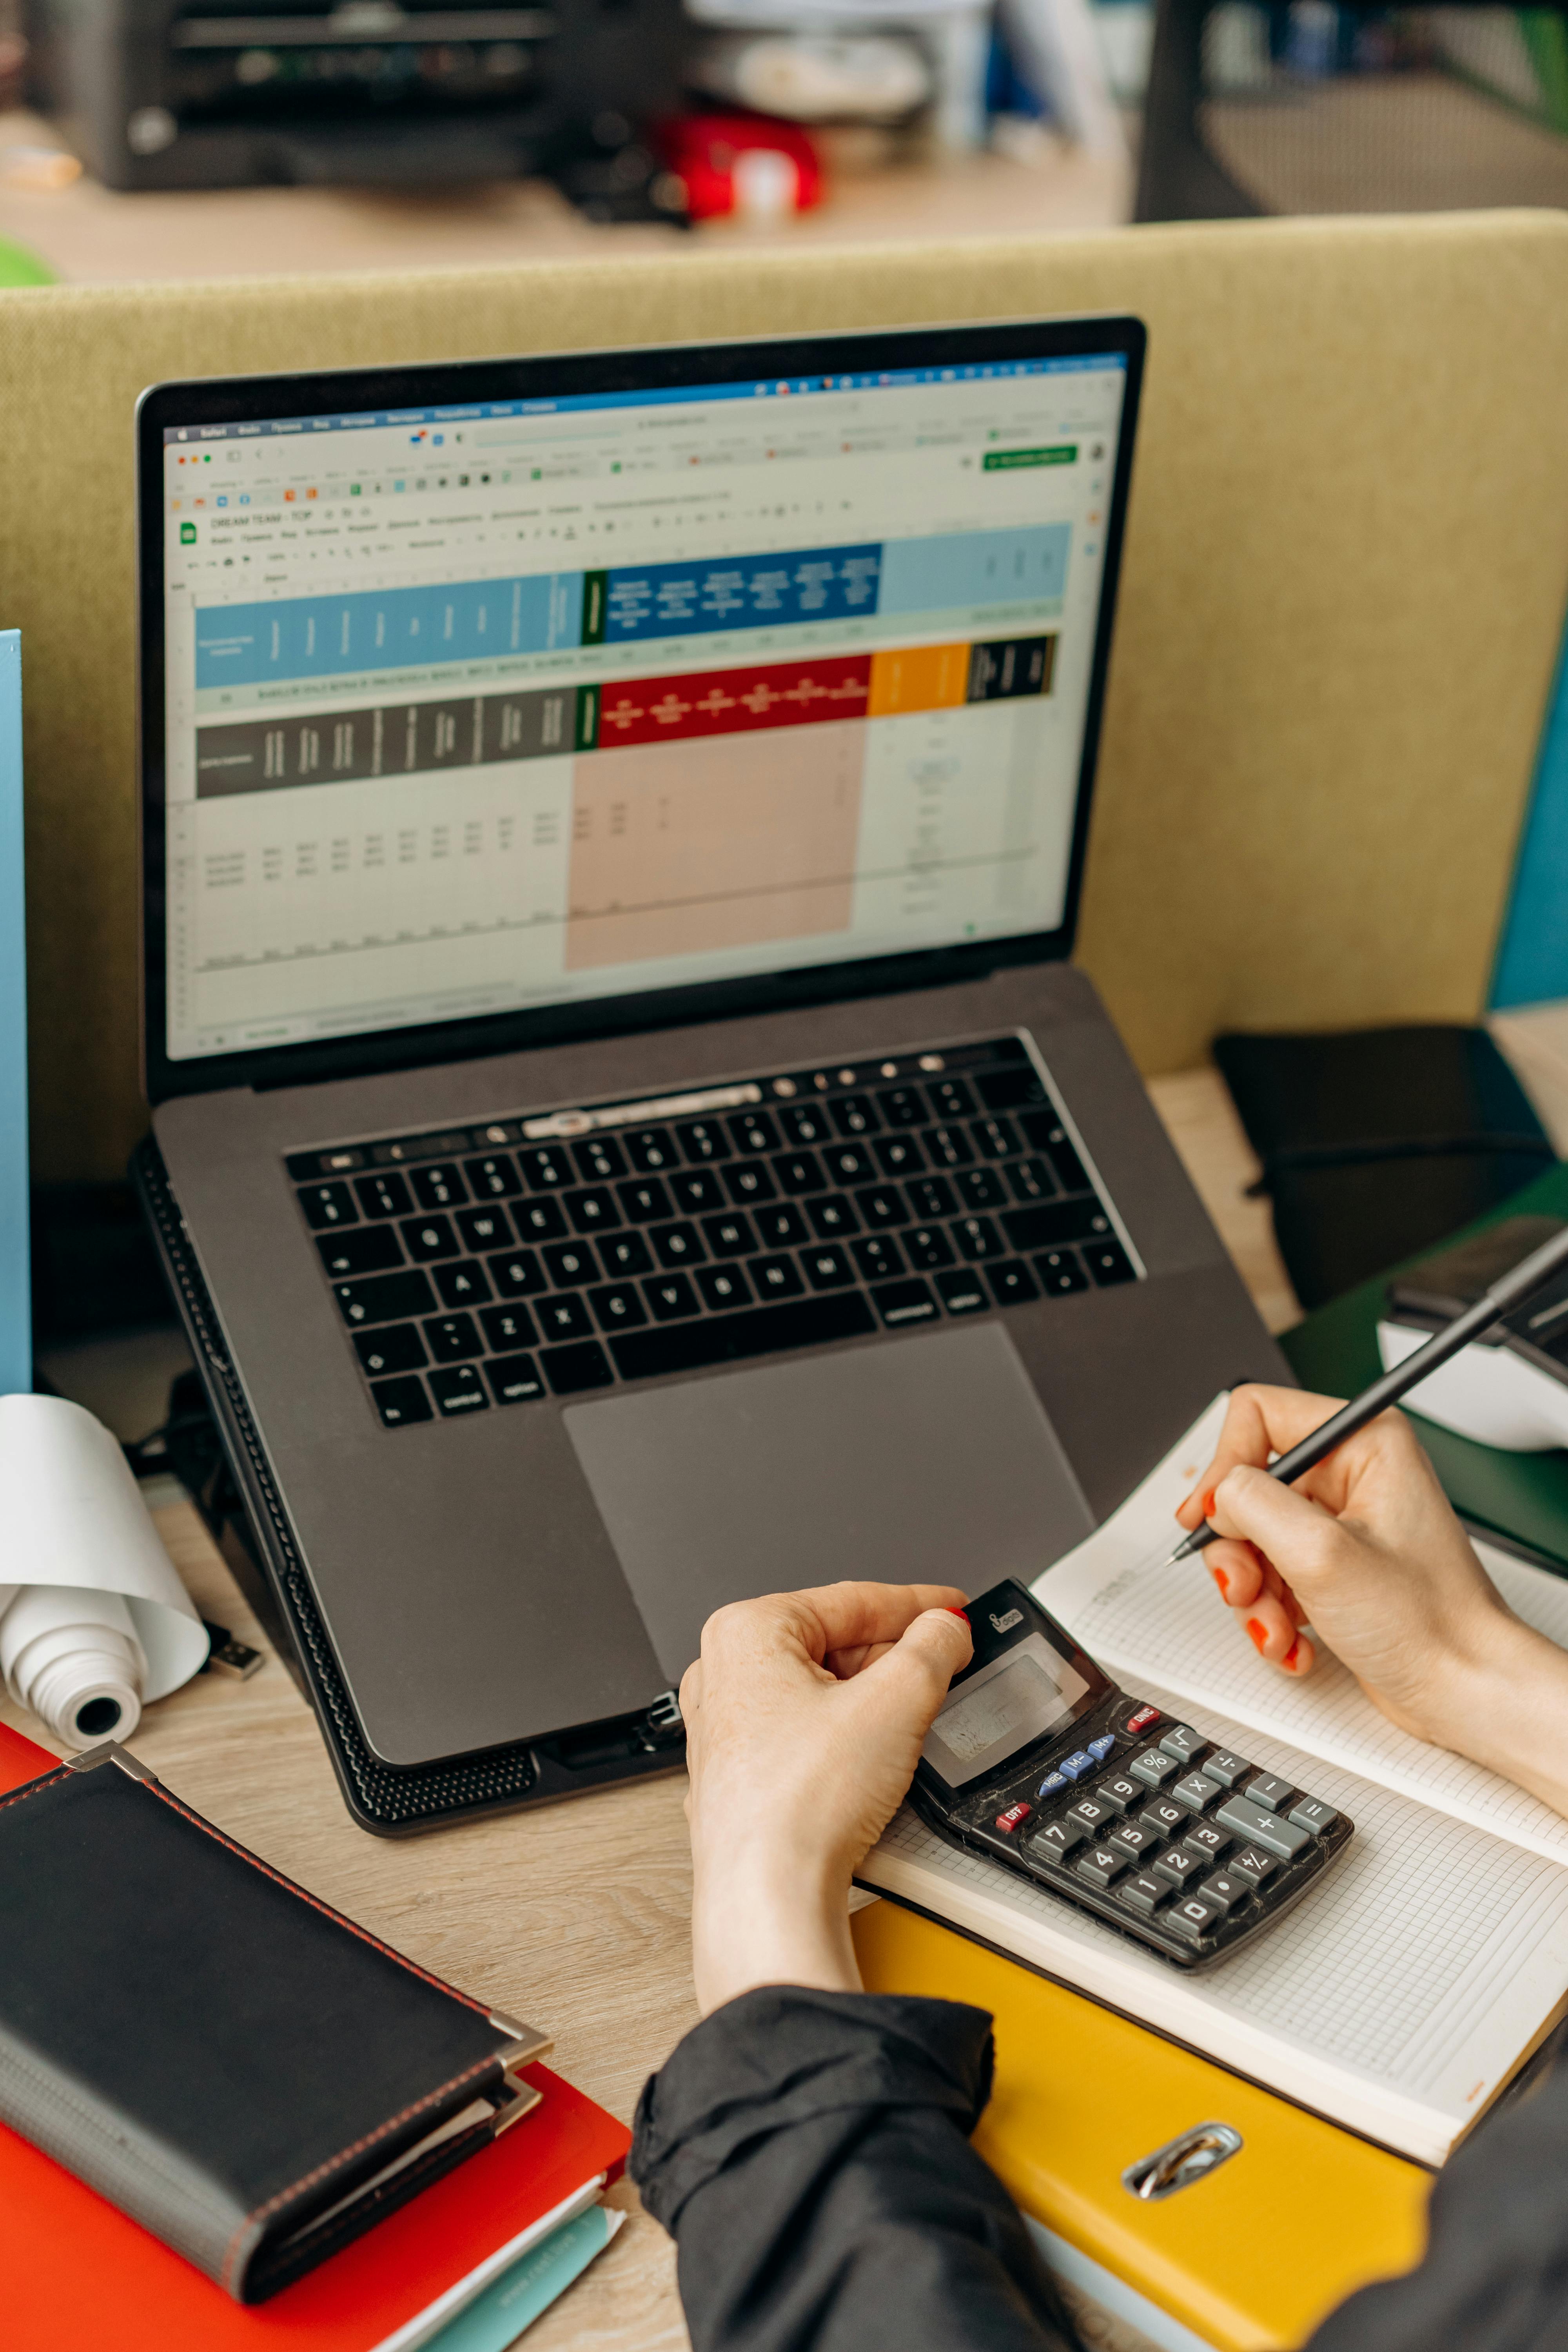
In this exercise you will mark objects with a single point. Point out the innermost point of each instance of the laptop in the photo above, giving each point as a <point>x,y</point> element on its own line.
<point>627,1133</point>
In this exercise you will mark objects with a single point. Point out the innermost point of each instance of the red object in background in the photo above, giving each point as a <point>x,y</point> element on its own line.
<point>747,164</point>
<point>733,701</point>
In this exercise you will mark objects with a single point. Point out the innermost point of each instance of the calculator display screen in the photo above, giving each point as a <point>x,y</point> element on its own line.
<point>1007,1706</point>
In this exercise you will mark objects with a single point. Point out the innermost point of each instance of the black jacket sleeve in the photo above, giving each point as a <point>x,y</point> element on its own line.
<point>809,2153</point>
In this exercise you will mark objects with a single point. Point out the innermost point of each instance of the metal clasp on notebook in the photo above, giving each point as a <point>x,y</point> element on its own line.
<point>1191,2157</point>
<point>109,1751</point>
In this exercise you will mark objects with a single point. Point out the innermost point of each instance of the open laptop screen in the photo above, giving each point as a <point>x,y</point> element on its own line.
<point>510,701</point>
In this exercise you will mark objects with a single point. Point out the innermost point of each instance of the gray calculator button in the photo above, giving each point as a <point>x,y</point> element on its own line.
<point>1090,1813</point>
<point>1225,1765</point>
<point>1056,1840</point>
<point>1143,1894</point>
<point>1103,1865</point>
<point>1312,1814</point>
<point>1135,1839</point>
<point>1192,1916</point>
<point>1253,1864</point>
<point>1183,1743</point>
<point>1224,1887</point>
<point>1164,1814</point>
<point>1176,1866</point>
<point>1267,1830</point>
<point>1201,1837</point>
<point>1196,1791</point>
<point>1120,1794</point>
<point>1153,1768</point>
<point>1275,1795</point>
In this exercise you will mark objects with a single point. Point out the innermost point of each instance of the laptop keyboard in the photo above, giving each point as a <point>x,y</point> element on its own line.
<point>553,1253</point>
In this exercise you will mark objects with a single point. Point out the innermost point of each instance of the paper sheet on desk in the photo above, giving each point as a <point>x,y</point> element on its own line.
<point>70,1514</point>
<point>1168,1625</point>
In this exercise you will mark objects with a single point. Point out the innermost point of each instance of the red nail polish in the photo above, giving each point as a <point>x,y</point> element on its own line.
<point>1223,1580</point>
<point>1292,1657</point>
<point>960,1612</point>
<point>1258,1631</point>
<point>1208,1504</point>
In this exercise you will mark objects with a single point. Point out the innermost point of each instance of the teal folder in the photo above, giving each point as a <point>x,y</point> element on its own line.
<point>15,1317</point>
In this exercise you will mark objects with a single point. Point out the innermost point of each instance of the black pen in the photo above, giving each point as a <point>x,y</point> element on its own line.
<point>1511,1291</point>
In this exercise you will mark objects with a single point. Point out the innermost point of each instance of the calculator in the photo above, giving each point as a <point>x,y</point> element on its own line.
<point>1039,1761</point>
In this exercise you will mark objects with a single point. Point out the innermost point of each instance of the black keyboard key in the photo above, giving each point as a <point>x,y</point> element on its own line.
<point>977,1237</point>
<point>538,1221</point>
<point>1050,1223</point>
<point>1012,1283</point>
<point>563,1317</point>
<point>1060,1273</point>
<point>394,1348</point>
<point>753,1130</point>
<point>782,1226</point>
<point>882,1205</point>
<point>383,1195</point>
<point>877,1258</point>
<point>948,1147</point>
<point>461,1284</point>
<point>547,1168</point>
<point>730,1236</point>
<point>995,1138</point>
<point>1122,1795</point>
<point>928,1246</point>
<point>777,1277</point>
<point>362,1249</point>
<point>624,1254</point>
<point>703,1140</point>
<point>1136,1840</point>
<point>1109,1263</point>
<point>326,1206</point>
<point>569,1264</point>
<point>826,1268</point>
<point>1016,1088</point>
<point>1143,1894</point>
<point>440,1186</point>
<point>643,1201</point>
<point>754,1331</point>
<point>806,1123</point>
<point>514,1380</point>
<point>905,1303</point>
<point>458,1388</point>
<point>981,1188</point>
<point>571,1370</point>
<point>483,1229</point>
<point>850,1164</point>
<point>899,1155</point>
<point>1194,1918</point>
<point>677,1246</point>
<point>903,1106</point>
<point>1046,1132</point>
<point>798,1173</point>
<point>508,1326</point>
<point>1031,1180</point>
<point>1165,1815</point>
<point>832,1216</point>
<point>452,1338</point>
<point>950,1098</point>
<point>617,1307</point>
<point>749,1182</point>
<point>400,1403</point>
<point>695,1191</point>
<point>932,1198</point>
<point>671,1297</point>
<point>428,1238</point>
<point>599,1158</point>
<point>1103,1865</point>
<point>853,1115</point>
<point>1055,1843</point>
<point>1177,1866</point>
<point>1201,1837</point>
<point>493,1178</point>
<point>385,1297</point>
<point>723,1287</point>
<point>592,1210</point>
<point>961,1293</point>
<point>650,1150</point>
<point>1092,1814</point>
<point>516,1274</point>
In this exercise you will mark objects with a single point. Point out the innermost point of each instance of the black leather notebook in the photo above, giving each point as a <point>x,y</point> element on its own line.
<point>236,2065</point>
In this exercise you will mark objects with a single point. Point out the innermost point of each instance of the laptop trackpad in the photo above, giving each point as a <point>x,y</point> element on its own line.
<point>926,1460</point>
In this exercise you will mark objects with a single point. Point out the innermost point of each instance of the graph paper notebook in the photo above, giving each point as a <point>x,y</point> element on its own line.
<point>1404,1992</point>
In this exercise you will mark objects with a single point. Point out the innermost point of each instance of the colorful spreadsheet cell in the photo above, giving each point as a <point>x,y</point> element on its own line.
<point>382,629</point>
<point>744,591</point>
<point>960,570</point>
<point>733,701</point>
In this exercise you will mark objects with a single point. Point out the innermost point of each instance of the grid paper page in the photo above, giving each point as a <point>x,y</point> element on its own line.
<point>1143,1619</point>
<point>1397,1994</point>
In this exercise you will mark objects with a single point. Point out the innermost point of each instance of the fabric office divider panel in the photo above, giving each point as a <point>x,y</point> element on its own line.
<point>16,1289</point>
<point>1346,567</point>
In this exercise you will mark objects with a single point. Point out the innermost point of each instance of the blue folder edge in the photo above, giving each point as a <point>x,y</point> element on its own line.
<point>500,2311</point>
<point>15,1313</point>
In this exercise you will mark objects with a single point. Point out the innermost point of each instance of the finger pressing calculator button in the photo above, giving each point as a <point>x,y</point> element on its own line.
<point>1312,1814</point>
<point>1196,1791</point>
<point>1224,1888</point>
<point>1226,1766</point>
<point>1275,1795</point>
<point>1091,1814</point>
<point>1201,1837</point>
<point>1075,1767</point>
<point>1153,1768</point>
<point>1194,1918</point>
<point>1120,1794</point>
<point>1165,1816</point>
<point>1267,1830</point>
<point>1103,1865</point>
<point>1183,1742</point>
<point>1176,1866</point>
<point>1143,1894</point>
<point>1253,1864</point>
<point>1013,1818</point>
<point>1056,1841</point>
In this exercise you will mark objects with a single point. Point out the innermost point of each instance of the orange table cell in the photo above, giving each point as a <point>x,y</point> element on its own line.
<point>918,678</point>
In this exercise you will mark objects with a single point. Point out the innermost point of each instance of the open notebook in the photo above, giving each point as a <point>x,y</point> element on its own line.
<point>1402,1992</point>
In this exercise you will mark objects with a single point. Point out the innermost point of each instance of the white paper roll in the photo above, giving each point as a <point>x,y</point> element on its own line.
<point>73,1657</point>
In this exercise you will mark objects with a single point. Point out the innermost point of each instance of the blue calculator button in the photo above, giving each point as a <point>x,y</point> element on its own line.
<point>1075,1767</point>
<point>1100,1749</point>
<point>1052,1781</point>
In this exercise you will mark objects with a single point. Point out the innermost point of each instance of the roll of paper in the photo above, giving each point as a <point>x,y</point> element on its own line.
<point>96,1622</point>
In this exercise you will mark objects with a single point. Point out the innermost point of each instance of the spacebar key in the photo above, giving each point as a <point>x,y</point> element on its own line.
<point>756,1331</point>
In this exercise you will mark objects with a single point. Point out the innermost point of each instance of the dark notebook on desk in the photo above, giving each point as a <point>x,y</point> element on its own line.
<point>246,2074</point>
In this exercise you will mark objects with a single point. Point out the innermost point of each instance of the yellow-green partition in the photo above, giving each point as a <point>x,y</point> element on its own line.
<point>1345,575</point>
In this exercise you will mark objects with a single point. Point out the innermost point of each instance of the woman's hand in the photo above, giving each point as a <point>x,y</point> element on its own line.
<point>1366,1550</point>
<point>804,1718</point>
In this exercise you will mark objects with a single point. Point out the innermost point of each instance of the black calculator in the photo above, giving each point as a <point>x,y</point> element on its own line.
<point>1039,1761</point>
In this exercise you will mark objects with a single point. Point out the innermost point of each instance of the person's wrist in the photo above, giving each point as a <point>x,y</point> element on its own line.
<point>769,1913</point>
<point>1479,1700</point>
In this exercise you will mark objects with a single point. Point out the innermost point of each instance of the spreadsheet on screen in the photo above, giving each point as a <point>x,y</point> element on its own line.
<point>473,710</point>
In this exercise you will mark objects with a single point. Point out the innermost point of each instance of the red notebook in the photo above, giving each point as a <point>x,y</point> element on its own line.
<point>76,2271</point>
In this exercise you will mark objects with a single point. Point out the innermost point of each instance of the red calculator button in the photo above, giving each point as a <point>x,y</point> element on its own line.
<point>1013,1818</point>
<point>1144,1718</point>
